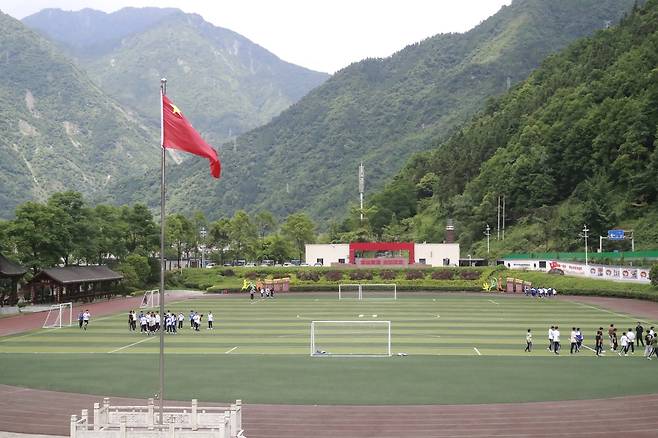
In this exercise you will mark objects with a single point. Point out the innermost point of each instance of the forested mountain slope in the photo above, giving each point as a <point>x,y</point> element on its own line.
<point>574,144</point>
<point>59,131</point>
<point>379,111</point>
<point>225,83</point>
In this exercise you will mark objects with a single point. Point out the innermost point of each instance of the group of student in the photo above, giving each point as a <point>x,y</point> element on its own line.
<point>149,322</point>
<point>628,341</point>
<point>83,319</point>
<point>541,292</point>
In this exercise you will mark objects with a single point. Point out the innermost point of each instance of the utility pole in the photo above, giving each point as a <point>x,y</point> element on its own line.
<point>362,178</point>
<point>584,235</point>
<point>498,218</point>
<point>487,233</point>
<point>503,217</point>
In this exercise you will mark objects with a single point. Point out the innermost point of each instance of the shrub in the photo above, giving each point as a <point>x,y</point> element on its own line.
<point>388,275</point>
<point>228,273</point>
<point>251,275</point>
<point>443,274</point>
<point>333,275</point>
<point>308,276</point>
<point>414,274</point>
<point>469,275</point>
<point>653,274</point>
<point>361,275</point>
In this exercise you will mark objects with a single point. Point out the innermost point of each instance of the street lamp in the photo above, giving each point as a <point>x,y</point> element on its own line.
<point>203,233</point>
<point>584,235</point>
<point>487,233</point>
<point>469,260</point>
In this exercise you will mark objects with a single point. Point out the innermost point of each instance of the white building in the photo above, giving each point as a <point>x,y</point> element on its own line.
<point>383,254</point>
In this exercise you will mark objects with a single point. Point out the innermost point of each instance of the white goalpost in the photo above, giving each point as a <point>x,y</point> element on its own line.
<point>363,291</point>
<point>151,299</point>
<point>59,315</point>
<point>351,338</point>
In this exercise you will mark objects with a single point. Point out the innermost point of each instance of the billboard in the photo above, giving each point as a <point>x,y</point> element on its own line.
<point>615,234</point>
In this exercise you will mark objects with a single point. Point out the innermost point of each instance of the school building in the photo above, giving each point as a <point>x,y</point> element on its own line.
<point>389,254</point>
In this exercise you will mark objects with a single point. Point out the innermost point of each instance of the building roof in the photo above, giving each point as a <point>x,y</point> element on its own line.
<point>79,274</point>
<point>9,268</point>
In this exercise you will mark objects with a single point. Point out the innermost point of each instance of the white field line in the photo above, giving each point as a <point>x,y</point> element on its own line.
<point>609,311</point>
<point>492,301</point>
<point>589,348</point>
<point>232,349</point>
<point>477,351</point>
<point>134,343</point>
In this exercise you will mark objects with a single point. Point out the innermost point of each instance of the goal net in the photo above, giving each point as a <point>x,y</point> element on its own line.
<point>351,338</point>
<point>151,299</point>
<point>367,291</point>
<point>59,315</point>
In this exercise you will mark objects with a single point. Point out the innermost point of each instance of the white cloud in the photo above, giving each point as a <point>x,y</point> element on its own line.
<point>322,35</point>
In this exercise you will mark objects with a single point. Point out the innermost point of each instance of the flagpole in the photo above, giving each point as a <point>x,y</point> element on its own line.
<point>163,91</point>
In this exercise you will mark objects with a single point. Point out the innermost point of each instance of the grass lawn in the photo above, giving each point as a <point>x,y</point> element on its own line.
<point>461,349</point>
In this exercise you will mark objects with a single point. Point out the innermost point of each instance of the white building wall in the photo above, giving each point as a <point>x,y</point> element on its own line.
<point>435,253</point>
<point>329,253</point>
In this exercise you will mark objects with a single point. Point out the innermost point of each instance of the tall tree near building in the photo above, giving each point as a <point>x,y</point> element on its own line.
<point>300,229</point>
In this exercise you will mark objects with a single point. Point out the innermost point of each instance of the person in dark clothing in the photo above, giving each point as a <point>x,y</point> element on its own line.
<point>639,330</point>
<point>599,342</point>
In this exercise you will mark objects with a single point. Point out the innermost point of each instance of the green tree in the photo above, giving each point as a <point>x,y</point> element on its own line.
<point>276,248</point>
<point>179,233</point>
<point>265,223</point>
<point>219,237</point>
<point>243,235</point>
<point>141,230</point>
<point>111,230</point>
<point>77,232</point>
<point>300,230</point>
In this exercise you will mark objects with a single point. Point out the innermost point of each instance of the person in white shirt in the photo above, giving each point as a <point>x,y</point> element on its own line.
<point>143,322</point>
<point>556,340</point>
<point>573,340</point>
<point>197,321</point>
<point>181,318</point>
<point>528,342</point>
<point>211,318</point>
<point>624,345</point>
<point>630,334</point>
<point>85,319</point>
<point>550,338</point>
<point>157,321</point>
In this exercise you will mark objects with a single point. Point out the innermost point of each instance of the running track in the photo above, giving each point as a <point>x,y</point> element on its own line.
<point>48,412</point>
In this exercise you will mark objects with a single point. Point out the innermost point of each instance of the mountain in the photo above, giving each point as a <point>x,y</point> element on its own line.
<point>225,83</point>
<point>379,111</point>
<point>59,130</point>
<point>574,144</point>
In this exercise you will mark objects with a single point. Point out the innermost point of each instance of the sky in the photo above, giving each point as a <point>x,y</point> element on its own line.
<point>323,35</point>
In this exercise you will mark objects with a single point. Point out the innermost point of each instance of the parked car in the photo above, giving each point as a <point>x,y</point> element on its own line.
<point>317,264</point>
<point>210,265</point>
<point>250,265</point>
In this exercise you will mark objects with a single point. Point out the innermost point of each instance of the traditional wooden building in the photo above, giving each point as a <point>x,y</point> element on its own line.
<point>10,275</point>
<point>73,283</point>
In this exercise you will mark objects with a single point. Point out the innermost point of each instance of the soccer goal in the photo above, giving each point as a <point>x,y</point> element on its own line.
<point>350,338</point>
<point>151,299</point>
<point>364,291</point>
<point>59,315</point>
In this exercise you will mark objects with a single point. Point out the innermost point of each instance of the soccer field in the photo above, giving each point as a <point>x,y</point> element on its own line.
<point>259,351</point>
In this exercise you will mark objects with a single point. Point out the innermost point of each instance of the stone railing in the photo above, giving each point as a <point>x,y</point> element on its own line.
<point>144,421</point>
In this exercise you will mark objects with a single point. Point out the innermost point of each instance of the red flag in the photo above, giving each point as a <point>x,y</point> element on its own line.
<point>178,133</point>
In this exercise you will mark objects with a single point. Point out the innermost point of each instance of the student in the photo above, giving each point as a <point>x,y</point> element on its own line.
<point>130,320</point>
<point>654,346</point>
<point>611,333</point>
<point>197,321</point>
<point>211,318</point>
<point>157,321</point>
<point>599,343</point>
<point>192,318</point>
<point>151,323</point>
<point>624,345</point>
<point>639,331</point>
<point>181,318</point>
<point>630,334</point>
<point>573,340</point>
<point>556,340</point>
<point>647,348</point>
<point>85,317</point>
<point>579,339</point>
<point>251,293</point>
<point>550,338</point>
<point>528,342</point>
<point>615,340</point>
<point>143,321</point>
<point>81,318</point>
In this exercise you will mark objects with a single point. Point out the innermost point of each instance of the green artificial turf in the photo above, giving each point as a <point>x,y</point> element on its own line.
<point>461,349</point>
